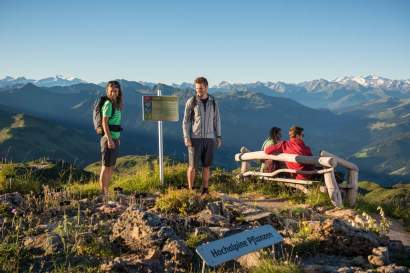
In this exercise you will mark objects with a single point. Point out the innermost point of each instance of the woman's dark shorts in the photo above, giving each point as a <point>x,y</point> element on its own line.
<point>109,156</point>
<point>202,149</point>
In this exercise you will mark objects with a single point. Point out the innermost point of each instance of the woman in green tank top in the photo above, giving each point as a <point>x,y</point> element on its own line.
<point>111,123</point>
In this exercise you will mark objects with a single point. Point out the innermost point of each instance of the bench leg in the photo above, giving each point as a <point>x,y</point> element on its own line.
<point>244,166</point>
<point>333,189</point>
<point>352,180</point>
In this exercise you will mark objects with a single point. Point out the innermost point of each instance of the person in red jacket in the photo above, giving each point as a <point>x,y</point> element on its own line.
<point>294,146</point>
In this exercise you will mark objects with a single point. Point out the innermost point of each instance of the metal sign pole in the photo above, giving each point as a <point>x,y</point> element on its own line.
<point>161,149</point>
<point>203,266</point>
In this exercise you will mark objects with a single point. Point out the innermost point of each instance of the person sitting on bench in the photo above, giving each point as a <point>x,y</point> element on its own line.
<point>295,145</point>
<point>269,165</point>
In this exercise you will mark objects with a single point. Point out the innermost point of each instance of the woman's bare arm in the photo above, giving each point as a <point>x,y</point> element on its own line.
<point>107,133</point>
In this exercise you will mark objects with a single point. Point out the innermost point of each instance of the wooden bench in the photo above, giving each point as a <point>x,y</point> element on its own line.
<point>327,163</point>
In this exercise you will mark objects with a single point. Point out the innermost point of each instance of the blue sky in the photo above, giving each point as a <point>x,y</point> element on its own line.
<point>175,41</point>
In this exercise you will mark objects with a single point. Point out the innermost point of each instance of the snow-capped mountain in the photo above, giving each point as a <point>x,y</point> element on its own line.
<point>372,81</point>
<point>338,93</point>
<point>57,80</point>
<point>319,93</point>
<point>14,82</point>
<point>348,81</point>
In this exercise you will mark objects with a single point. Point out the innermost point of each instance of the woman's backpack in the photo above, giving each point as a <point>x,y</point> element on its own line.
<point>97,115</point>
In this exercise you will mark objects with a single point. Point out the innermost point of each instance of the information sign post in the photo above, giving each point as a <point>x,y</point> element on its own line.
<point>160,108</point>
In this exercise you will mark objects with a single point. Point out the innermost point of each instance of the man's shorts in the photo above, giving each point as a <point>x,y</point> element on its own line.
<point>202,149</point>
<point>109,156</point>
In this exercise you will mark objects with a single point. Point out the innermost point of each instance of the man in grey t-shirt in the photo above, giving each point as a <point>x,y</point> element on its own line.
<point>201,127</point>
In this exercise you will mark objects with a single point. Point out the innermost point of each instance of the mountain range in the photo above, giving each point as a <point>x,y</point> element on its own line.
<point>373,133</point>
<point>58,80</point>
<point>334,94</point>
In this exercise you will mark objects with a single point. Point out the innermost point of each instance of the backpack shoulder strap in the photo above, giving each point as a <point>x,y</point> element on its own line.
<point>192,107</point>
<point>213,103</point>
<point>193,102</point>
<point>103,99</point>
<point>112,110</point>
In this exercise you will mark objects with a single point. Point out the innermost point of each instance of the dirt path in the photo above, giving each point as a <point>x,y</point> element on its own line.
<point>266,203</point>
<point>397,232</point>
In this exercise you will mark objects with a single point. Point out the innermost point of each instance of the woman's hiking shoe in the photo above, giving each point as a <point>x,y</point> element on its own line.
<point>204,191</point>
<point>118,190</point>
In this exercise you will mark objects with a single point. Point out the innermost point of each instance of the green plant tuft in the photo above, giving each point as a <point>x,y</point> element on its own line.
<point>270,266</point>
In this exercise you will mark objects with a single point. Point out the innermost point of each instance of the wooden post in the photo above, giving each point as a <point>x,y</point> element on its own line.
<point>353,186</point>
<point>245,165</point>
<point>352,178</point>
<point>333,189</point>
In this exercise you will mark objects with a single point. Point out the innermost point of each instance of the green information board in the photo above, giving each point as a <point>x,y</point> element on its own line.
<point>160,108</point>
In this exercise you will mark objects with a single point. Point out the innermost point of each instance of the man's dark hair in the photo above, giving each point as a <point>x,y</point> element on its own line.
<point>295,131</point>
<point>201,80</point>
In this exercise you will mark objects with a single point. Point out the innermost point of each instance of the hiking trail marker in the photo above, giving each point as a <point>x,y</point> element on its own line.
<point>231,247</point>
<point>160,108</point>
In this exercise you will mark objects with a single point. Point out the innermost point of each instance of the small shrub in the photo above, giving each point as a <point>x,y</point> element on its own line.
<point>317,198</point>
<point>5,211</point>
<point>368,222</point>
<point>76,269</point>
<point>137,183</point>
<point>145,179</point>
<point>384,222</point>
<point>181,202</point>
<point>12,255</point>
<point>270,266</point>
<point>305,240</point>
<point>293,195</point>
<point>174,201</point>
<point>96,247</point>
<point>228,183</point>
<point>193,240</point>
<point>84,190</point>
<point>22,184</point>
<point>175,175</point>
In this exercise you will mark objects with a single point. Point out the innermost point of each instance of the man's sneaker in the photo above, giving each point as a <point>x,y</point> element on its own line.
<point>204,191</point>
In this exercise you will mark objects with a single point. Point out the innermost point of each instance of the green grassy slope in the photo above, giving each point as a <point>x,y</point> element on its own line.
<point>23,137</point>
<point>395,200</point>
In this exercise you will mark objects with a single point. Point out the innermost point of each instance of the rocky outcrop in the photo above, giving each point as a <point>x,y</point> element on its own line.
<point>12,199</point>
<point>47,244</point>
<point>129,235</point>
<point>338,237</point>
<point>153,245</point>
<point>379,257</point>
<point>177,256</point>
<point>392,269</point>
<point>137,227</point>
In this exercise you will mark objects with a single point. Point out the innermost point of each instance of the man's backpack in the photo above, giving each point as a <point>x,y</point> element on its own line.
<point>97,115</point>
<point>194,102</point>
